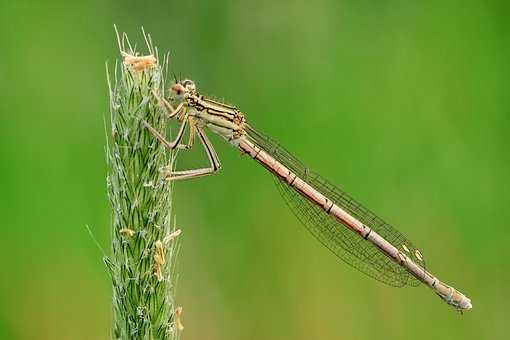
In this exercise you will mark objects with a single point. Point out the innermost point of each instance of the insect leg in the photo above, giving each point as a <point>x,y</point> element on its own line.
<point>170,111</point>
<point>176,142</point>
<point>194,173</point>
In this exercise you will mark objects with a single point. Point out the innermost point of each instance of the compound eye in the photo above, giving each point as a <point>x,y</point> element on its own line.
<point>188,85</point>
<point>178,89</point>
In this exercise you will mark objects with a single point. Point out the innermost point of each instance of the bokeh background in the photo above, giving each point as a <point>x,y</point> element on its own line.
<point>404,104</point>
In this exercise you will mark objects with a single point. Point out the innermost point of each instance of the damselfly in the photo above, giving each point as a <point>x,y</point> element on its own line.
<point>352,232</point>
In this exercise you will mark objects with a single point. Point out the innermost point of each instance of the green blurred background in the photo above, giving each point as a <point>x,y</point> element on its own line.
<point>404,104</point>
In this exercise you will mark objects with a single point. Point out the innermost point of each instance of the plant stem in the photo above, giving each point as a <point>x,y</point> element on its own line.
<point>142,265</point>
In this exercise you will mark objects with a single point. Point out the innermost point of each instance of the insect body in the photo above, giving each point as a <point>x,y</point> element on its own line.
<point>352,232</point>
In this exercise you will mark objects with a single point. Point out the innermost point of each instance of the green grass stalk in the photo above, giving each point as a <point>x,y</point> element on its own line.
<point>144,243</point>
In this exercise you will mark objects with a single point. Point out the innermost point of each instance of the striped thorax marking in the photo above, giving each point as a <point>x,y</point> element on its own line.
<point>219,114</point>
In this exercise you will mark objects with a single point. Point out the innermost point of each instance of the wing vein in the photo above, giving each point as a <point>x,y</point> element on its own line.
<point>344,243</point>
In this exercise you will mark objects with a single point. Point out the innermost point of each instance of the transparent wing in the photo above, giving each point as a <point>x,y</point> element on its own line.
<point>343,242</point>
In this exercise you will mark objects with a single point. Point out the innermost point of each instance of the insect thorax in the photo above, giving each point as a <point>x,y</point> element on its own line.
<point>219,114</point>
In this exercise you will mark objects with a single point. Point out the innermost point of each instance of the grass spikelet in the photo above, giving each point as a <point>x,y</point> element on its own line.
<point>142,264</point>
